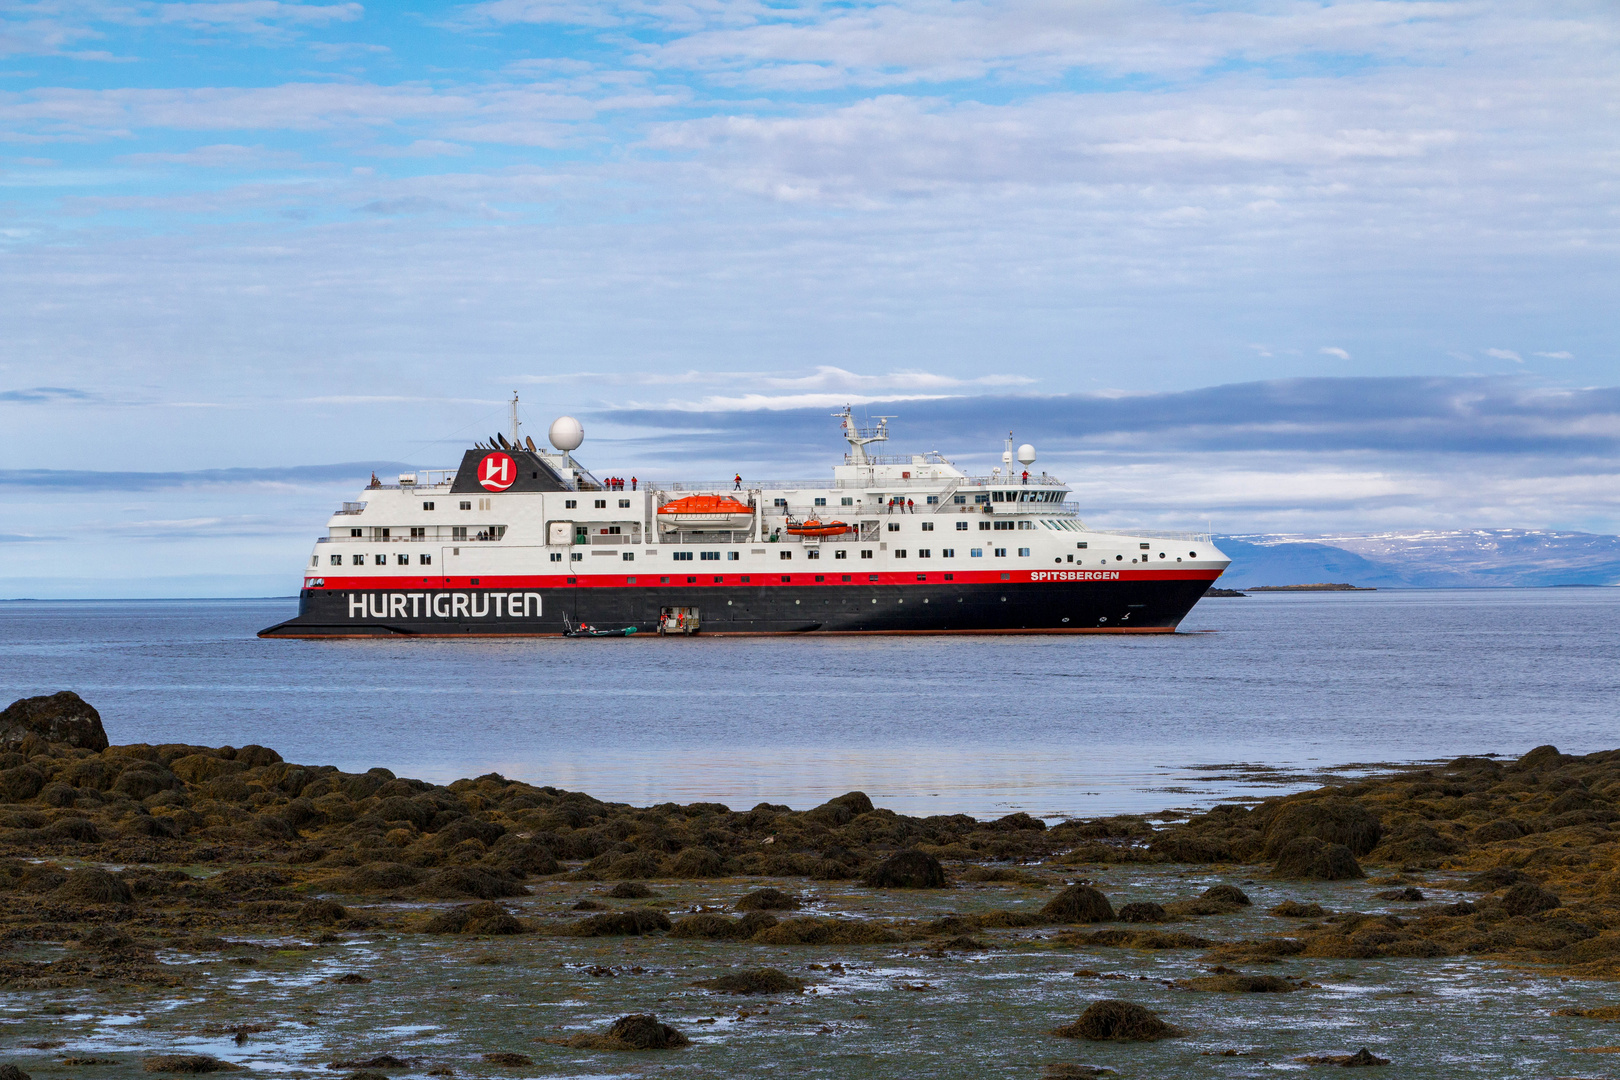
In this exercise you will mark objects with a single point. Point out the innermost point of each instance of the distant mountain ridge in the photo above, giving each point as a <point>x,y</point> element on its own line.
<point>1425,559</point>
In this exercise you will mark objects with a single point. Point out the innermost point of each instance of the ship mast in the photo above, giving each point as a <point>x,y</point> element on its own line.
<point>515,423</point>
<point>860,437</point>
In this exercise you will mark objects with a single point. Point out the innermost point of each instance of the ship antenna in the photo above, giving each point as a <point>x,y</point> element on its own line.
<point>516,439</point>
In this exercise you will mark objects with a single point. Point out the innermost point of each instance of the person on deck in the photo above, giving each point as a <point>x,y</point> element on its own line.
<point>738,480</point>
<point>632,483</point>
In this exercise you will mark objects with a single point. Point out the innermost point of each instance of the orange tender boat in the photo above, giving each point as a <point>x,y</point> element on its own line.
<point>820,528</point>
<point>706,511</point>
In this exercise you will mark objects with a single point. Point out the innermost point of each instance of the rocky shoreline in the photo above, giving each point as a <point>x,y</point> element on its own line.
<point>139,876</point>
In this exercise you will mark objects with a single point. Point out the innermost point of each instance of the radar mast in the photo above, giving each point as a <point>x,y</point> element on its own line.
<point>859,437</point>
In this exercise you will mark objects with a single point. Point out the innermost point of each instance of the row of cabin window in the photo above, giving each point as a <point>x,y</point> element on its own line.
<point>379,560</point>
<point>984,526</point>
<point>466,504</point>
<point>843,553</point>
<point>457,532</point>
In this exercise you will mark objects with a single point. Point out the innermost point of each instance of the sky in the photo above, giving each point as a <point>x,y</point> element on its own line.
<point>1271,266</point>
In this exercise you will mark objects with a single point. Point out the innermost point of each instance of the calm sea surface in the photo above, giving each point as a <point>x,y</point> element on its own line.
<point>1053,726</point>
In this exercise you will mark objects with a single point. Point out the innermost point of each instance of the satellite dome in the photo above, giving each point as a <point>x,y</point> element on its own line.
<point>1026,454</point>
<point>566,433</point>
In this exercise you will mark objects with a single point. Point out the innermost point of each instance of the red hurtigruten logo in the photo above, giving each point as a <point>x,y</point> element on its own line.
<point>497,471</point>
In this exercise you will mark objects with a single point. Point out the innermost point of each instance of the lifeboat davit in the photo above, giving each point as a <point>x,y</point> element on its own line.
<point>706,512</point>
<point>820,528</point>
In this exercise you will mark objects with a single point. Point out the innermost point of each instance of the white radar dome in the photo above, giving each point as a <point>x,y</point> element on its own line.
<point>566,433</point>
<point>1026,454</point>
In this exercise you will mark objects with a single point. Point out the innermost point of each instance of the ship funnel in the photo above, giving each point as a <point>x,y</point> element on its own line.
<point>566,433</point>
<point>529,441</point>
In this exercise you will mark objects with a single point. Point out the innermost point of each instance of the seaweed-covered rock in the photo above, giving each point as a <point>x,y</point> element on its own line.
<point>1110,1020</point>
<point>630,890</point>
<point>711,927</point>
<point>92,885</point>
<point>507,1057</point>
<point>1293,909</point>
<point>1311,857</point>
<point>62,717</point>
<point>8,1071</point>
<point>376,877</point>
<point>697,862</point>
<point>636,1032</point>
<point>910,869</point>
<point>1362,1057</point>
<point>1332,819</point>
<point>1079,904</point>
<point>471,881</point>
<point>1233,983</point>
<point>807,931</point>
<point>1226,894</point>
<point>767,900</point>
<point>618,923</point>
<point>644,1032</point>
<point>1143,912</point>
<point>756,981</point>
<point>186,1063</point>
<point>1528,898</point>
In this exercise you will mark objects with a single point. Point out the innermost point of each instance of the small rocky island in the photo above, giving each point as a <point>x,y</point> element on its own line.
<point>1320,586</point>
<point>173,910</point>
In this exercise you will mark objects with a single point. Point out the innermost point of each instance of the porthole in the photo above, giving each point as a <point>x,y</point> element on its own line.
<point>728,603</point>
<point>1103,619</point>
<point>1065,620</point>
<point>795,602</point>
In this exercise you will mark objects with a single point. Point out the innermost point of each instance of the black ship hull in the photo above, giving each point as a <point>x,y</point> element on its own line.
<point>1150,603</point>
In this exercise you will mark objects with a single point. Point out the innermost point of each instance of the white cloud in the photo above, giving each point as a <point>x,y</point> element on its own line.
<point>1335,351</point>
<point>1557,355</point>
<point>1504,354</point>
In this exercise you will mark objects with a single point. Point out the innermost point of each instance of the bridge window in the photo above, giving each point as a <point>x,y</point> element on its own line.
<point>427,506</point>
<point>787,555</point>
<point>466,504</point>
<point>1001,553</point>
<point>1023,553</point>
<point>846,501</point>
<point>961,526</point>
<point>959,500</point>
<point>932,500</point>
<point>418,534</point>
<point>337,560</point>
<point>425,560</point>
<point>780,502</point>
<point>355,532</point>
<point>624,504</point>
<point>683,556</point>
<point>976,553</point>
<point>980,500</point>
<point>984,526</point>
<point>821,502</point>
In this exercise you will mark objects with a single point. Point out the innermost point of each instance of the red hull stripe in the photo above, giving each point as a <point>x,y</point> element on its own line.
<point>643,579</point>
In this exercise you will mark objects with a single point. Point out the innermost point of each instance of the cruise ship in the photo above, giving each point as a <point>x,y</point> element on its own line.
<point>521,540</point>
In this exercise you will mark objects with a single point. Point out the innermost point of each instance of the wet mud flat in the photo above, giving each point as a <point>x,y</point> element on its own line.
<point>169,910</point>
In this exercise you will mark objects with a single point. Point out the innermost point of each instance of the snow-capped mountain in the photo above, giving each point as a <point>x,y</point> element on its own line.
<point>1424,558</point>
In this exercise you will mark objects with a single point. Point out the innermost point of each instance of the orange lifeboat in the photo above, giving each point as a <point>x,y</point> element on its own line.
<point>706,512</point>
<point>820,528</point>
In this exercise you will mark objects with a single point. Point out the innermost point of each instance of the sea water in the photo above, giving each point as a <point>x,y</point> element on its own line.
<point>1254,695</point>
